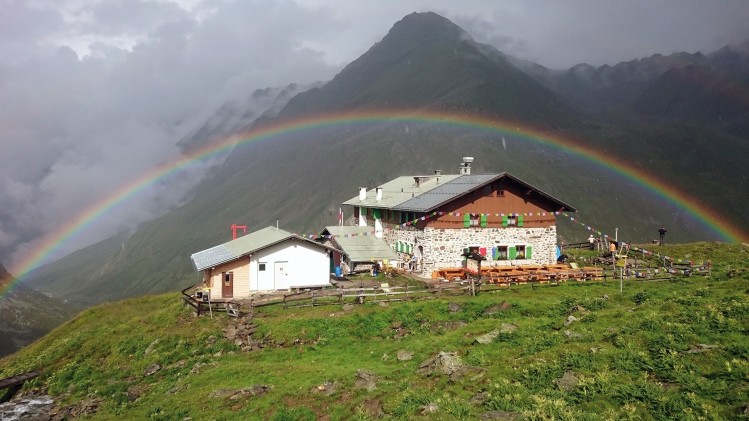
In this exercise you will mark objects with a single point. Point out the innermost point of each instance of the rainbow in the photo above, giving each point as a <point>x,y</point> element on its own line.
<point>716,223</point>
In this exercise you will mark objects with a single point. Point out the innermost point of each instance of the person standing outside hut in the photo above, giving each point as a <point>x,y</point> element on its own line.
<point>662,234</point>
<point>592,242</point>
<point>612,248</point>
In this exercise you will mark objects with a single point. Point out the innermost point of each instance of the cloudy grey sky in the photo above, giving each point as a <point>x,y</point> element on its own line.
<point>94,93</point>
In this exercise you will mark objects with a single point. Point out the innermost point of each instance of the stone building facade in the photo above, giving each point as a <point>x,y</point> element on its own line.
<point>430,221</point>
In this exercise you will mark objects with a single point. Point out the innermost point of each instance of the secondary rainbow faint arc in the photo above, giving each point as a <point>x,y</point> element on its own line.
<point>707,216</point>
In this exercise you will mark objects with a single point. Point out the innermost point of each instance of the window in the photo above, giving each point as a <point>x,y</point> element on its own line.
<point>512,220</point>
<point>500,193</point>
<point>519,252</point>
<point>500,253</point>
<point>261,267</point>
<point>475,220</point>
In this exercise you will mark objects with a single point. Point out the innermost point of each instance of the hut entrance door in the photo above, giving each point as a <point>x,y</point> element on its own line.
<point>227,286</point>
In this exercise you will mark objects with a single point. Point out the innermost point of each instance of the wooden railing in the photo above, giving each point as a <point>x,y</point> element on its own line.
<point>375,294</point>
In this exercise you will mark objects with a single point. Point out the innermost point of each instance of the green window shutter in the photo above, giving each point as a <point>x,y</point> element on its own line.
<point>466,220</point>
<point>376,213</point>
<point>505,220</point>
<point>528,252</point>
<point>495,253</point>
<point>483,220</point>
<point>512,252</point>
<point>520,220</point>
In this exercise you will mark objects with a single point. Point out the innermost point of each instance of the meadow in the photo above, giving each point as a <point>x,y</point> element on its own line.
<point>671,349</point>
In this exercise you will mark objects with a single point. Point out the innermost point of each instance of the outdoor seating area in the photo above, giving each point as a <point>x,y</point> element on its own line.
<point>521,274</point>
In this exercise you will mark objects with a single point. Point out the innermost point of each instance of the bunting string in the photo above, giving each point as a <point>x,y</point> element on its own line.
<point>577,221</point>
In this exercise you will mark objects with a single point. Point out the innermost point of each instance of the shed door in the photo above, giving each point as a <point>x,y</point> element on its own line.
<point>227,285</point>
<point>281,275</point>
<point>264,277</point>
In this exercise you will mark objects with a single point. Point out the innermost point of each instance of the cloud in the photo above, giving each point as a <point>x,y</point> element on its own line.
<point>79,129</point>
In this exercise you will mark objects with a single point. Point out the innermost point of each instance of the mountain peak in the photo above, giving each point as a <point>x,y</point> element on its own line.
<point>418,27</point>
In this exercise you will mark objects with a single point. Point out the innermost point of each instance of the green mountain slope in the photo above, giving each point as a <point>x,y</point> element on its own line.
<point>661,350</point>
<point>26,314</point>
<point>426,62</point>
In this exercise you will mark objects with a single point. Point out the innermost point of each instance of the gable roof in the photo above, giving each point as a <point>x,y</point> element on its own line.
<point>405,194</point>
<point>244,245</point>
<point>357,243</point>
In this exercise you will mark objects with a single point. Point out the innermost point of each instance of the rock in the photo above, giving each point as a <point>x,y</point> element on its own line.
<point>479,398</point>
<point>429,408</point>
<point>366,380</point>
<point>347,307</point>
<point>443,363</point>
<point>572,335</point>
<point>579,309</point>
<point>448,325</point>
<point>500,415</point>
<point>152,369</point>
<point>396,324</point>
<point>503,306</point>
<point>385,357</point>
<point>595,350</point>
<point>236,394</point>
<point>384,304</point>
<point>487,338</point>
<point>136,391</point>
<point>507,327</point>
<point>373,408</point>
<point>570,319</point>
<point>453,307</point>
<point>327,388</point>
<point>404,355</point>
<point>211,340</point>
<point>151,347</point>
<point>568,381</point>
<point>700,348</point>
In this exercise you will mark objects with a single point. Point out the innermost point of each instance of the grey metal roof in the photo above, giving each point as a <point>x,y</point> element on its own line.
<point>402,193</point>
<point>358,246</point>
<point>446,192</point>
<point>244,245</point>
<point>400,190</point>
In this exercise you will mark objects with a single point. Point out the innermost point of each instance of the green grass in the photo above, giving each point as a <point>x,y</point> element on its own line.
<point>631,355</point>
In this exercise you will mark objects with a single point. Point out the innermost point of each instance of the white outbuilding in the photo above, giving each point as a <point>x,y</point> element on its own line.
<point>265,260</point>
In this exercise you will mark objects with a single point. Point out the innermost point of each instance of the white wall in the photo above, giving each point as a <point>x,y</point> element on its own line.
<point>306,265</point>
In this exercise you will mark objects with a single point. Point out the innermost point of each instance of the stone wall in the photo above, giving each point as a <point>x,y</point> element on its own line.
<point>443,247</point>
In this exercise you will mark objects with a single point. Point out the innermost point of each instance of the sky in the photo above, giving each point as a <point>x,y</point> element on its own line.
<point>94,93</point>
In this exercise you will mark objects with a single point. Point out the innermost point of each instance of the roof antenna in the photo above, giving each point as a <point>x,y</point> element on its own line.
<point>276,225</point>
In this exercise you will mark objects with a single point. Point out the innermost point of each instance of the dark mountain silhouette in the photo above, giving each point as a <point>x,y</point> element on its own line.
<point>26,314</point>
<point>426,62</point>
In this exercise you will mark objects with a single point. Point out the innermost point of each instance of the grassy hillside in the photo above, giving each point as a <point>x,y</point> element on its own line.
<point>663,350</point>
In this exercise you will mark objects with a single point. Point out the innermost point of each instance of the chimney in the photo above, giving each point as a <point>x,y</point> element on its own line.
<point>378,195</point>
<point>362,193</point>
<point>465,167</point>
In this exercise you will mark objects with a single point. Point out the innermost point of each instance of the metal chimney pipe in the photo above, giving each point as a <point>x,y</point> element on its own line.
<point>362,193</point>
<point>378,193</point>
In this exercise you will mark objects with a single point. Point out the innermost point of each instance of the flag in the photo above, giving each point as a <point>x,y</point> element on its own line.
<point>340,216</point>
